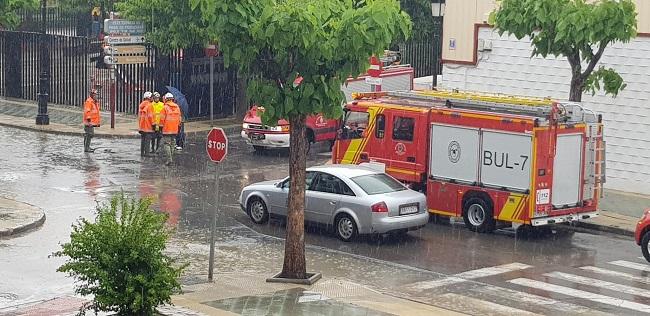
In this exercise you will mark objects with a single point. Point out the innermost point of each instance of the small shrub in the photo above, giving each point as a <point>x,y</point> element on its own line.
<point>119,258</point>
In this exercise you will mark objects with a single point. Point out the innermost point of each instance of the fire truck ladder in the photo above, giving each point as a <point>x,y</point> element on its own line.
<point>536,107</point>
<point>594,162</point>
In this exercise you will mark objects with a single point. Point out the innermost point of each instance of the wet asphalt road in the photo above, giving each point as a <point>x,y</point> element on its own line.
<point>52,172</point>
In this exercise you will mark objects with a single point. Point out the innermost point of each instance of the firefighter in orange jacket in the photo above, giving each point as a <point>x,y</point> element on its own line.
<point>145,124</point>
<point>91,119</point>
<point>170,119</point>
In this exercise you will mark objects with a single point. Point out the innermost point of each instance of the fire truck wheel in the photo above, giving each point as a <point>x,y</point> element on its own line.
<point>477,214</point>
<point>257,211</point>
<point>645,243</point>
<point>345,227</point>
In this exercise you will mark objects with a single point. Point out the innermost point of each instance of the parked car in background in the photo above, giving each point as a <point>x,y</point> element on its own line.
<point>352,199</point>
<point>642,234</point>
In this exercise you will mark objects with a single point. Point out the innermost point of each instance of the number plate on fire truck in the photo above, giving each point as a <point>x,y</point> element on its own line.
<point>408,209</point>
<point>256,136</point>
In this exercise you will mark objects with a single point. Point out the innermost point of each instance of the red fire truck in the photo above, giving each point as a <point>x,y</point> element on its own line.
<point>484,157</point>
<point>319,128</point>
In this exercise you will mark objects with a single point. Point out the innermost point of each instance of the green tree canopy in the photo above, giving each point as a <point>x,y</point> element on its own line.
<point>9,18</point>
<point>576,29</point>
<point>324,42</point>
<point>171,24</point>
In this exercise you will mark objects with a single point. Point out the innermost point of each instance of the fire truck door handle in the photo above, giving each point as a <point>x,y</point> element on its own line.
<point>410,159</point>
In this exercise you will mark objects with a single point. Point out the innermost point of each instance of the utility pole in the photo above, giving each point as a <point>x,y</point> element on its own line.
<point>44,80</point>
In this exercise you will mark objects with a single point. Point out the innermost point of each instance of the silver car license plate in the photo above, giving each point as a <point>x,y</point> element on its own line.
<point>408,209</point>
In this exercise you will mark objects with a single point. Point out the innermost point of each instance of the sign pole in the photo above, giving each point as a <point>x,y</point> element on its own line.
<point>212,90</point>
<point>114,94</point>
<point>216,146</point>
<point>213,222</point>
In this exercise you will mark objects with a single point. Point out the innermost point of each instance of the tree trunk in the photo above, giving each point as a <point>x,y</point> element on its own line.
<point>575,94</point>
<point>294,246</point>
<point>241,103</point>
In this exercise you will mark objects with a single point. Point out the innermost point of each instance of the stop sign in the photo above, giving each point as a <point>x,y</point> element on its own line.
<point>375,67</point>
<point>217,145</point>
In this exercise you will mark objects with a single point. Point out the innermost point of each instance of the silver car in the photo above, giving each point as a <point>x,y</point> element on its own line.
<point>352,199</point>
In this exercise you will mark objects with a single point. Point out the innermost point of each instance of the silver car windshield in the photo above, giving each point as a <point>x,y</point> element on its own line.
<point>378,184</point>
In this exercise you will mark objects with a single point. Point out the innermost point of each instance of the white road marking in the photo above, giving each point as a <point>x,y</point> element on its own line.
<point>617,274</point>
<point>599,283</point>
<point>598,298</point>
<point>545,302</point>
<point>490,271</point>
<point>468,275</point>
<point>481,306</point>
<point>631,265</point>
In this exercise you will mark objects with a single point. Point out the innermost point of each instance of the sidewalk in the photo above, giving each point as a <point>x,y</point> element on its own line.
<point>246,294</point>
<point>66,120</point>
<point>17,217</point>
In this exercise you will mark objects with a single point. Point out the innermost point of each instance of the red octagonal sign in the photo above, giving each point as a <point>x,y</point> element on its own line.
<point>217,145</point>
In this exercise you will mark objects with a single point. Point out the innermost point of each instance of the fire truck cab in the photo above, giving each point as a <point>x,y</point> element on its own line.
<point>484,157</point>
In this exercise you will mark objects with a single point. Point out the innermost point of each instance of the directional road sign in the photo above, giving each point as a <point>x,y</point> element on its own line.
<point>124,27</point>
<point>125,50</point>
<point>125,60</point>
<point>116,40</point>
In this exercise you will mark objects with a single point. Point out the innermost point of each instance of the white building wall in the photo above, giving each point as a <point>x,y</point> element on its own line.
<point>509,69</point>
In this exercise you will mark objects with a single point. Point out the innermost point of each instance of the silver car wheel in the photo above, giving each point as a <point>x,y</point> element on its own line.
<point>257,210</point>
<point>476,214</point>
<point>345,227</point>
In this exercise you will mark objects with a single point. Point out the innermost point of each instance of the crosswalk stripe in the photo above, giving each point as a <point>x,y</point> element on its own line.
<point>598,298</point>
<point>468,275</point>
<point>631,265</point>
<point>489,271</point>
<point>599,283</point>
<point>527,298</point>
<point>617,274</point>
<point>424,285</point>
<point>483,307</point>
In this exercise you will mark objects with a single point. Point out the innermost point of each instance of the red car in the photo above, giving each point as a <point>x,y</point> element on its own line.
<point>642,234</point>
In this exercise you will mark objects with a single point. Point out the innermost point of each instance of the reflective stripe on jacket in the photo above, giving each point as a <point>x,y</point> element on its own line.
<point>170,118</point>
<point>91,112</point>
<point>145,118</point>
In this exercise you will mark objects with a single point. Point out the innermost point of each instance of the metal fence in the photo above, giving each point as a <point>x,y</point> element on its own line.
<point>423,55</point>
<point>124,85</point>
<point>75,66</point>
<point>20,71</point>
<point>59,21</point>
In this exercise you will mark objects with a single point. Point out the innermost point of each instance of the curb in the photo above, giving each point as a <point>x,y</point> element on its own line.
<point>23,228</point>
<point>591,227</point>
<point>66,133</point>
<point>230,130</point>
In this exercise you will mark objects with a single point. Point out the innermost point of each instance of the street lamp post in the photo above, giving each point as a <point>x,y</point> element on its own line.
<point>437,11</point>
<point>44,80</point>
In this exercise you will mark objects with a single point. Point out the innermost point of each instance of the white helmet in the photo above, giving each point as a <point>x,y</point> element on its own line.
<point>168,96</point>
<point>156,95</point>
<point>147,95</point>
